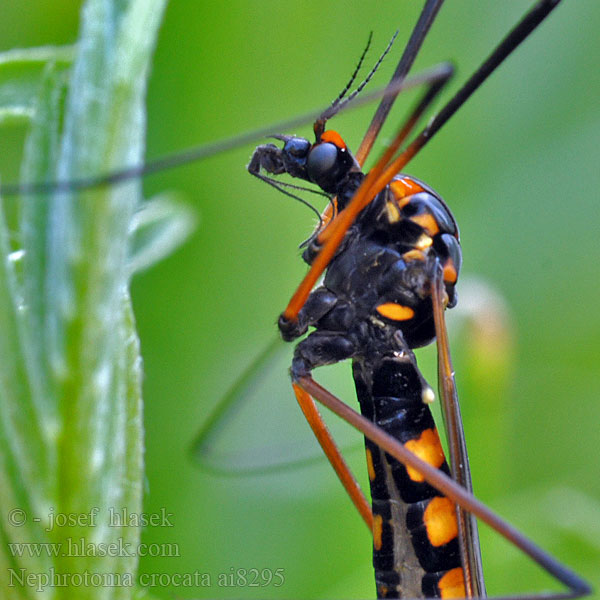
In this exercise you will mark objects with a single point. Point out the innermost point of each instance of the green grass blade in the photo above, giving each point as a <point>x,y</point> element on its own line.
<point>71,435</point>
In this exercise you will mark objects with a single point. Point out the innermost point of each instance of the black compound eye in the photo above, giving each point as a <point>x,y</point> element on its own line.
<point>297,147</point>
<point>321,160</point>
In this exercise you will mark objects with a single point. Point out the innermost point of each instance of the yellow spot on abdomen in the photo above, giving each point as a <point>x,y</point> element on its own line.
<point>428,448</point>
<point>440,521</point>
<point>370,467</point>
<point>452,584</point>
<point>396,312</point>
<point>377,531</point>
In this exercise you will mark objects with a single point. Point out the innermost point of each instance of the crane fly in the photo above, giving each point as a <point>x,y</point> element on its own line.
<point>389,251</point>
<point>408,348</point>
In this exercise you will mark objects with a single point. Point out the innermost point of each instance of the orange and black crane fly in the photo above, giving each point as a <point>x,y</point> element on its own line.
<point>389,250</point>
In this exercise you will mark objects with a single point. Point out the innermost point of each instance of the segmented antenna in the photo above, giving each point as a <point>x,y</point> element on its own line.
<point>353,77</point>
<point>337,105</point>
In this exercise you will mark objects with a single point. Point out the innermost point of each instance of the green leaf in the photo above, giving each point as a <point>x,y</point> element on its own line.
<point>21,73</point>
<point>71,434</point>
<point>159,227</point>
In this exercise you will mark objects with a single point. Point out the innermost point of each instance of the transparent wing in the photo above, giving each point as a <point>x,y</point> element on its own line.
<point>457,447</point>
<point>258,427</point>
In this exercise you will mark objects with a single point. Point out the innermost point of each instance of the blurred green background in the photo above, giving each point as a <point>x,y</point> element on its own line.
<point>519,167</point>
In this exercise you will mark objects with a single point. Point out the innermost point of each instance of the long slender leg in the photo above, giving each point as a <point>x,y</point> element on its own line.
<point>407,59</point>
<point>459,460</point>
<point>436,79</point>
<point>512,41</point>
<point>382,173</point>
<point>333,235</point>
<point>317,349</point>
<point>449,488</point>
<point>333,454</point>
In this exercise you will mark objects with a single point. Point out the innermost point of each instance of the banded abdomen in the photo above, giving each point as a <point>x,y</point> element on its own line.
<point>415,533</point>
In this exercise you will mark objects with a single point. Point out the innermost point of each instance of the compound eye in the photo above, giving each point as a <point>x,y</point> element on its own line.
<point>297,147</point>
<point>321,160</point>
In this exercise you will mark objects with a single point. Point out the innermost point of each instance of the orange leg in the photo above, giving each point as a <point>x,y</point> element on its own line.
<point>377,178</point>
<point>307,404</point>
<point>449,488</point>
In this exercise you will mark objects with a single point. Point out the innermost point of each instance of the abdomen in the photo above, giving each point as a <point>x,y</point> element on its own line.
<point>415,536</point>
